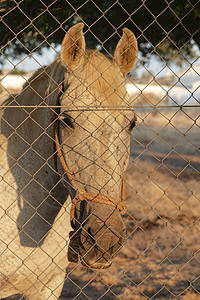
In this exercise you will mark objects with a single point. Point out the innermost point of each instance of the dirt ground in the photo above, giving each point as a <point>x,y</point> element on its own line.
<point>161,255</point>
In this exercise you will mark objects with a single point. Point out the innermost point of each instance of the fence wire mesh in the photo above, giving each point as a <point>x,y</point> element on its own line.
<point>160,257</point>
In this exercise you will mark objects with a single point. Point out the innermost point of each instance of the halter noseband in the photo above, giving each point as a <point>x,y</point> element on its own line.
<point>81,195</point>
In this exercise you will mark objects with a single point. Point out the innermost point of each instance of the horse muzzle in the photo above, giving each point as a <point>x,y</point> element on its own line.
<point>97,240</point>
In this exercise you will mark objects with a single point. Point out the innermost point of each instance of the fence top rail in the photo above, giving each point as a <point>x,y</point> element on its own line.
<point>96,108</point>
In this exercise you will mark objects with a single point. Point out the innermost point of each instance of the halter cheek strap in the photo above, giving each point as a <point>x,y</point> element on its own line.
<point>82,195</point>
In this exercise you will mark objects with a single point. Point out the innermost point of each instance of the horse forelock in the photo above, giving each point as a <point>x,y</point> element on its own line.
<point>103,78</point>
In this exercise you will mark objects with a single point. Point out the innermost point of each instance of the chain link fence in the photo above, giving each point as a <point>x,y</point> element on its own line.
<point>160,257</point>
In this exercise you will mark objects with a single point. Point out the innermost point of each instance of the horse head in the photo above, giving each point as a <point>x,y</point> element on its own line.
<point>92,135</point>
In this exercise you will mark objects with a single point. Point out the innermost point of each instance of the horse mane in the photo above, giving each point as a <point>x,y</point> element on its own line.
<point>44,81</point>
<point>38,75</point>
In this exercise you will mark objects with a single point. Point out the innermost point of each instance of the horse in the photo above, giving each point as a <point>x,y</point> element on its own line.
<point>64,147</point>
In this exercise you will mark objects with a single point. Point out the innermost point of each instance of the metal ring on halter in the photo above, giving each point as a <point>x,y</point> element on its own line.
<point>81,194</point>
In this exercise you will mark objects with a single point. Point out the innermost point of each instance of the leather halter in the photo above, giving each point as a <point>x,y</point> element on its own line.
<point>81,195</point>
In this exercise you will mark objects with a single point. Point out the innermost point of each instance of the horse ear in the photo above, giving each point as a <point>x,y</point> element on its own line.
<point>73,47</point>
<point>126,51</point>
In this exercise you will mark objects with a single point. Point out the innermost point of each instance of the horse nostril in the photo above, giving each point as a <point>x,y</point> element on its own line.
<point>121,241</point>
<point>89,231</point>
<point>116,247</point>
<point>91,235</point>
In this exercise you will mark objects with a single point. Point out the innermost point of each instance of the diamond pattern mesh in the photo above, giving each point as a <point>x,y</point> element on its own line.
<point>161,253</point>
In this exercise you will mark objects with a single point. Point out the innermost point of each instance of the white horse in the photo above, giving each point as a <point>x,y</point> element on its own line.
<point>64,147</point>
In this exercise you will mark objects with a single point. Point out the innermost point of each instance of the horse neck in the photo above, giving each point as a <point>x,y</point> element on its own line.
<point>22,132</point>
<point>59,232</point>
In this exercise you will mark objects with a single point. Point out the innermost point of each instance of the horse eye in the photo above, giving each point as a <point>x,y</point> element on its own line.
<point>67,121</point>
<point>132,125</point>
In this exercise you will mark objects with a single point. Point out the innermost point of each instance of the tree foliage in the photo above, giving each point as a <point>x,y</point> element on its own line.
<point>165,27</point>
